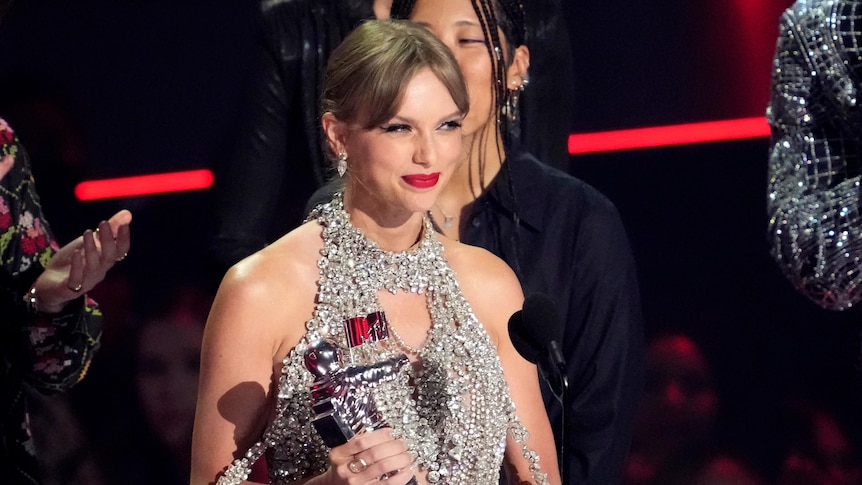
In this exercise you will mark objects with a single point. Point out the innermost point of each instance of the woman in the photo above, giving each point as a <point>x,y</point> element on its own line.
<point>562,237</point>
<point>50,328</point>
<point>393,104</point>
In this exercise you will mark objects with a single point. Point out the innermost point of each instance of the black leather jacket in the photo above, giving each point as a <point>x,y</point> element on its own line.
<point>278,161</point>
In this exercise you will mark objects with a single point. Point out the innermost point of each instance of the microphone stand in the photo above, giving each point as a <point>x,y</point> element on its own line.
<point>552,367</point>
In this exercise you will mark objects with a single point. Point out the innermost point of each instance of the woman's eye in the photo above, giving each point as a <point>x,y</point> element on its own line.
<point>451,125</point>
<point>472,41</point>
<point>395,128</point>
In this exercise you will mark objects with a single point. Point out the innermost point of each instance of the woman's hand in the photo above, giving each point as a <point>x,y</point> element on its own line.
<point>367,457</point>
<point>80,265</point>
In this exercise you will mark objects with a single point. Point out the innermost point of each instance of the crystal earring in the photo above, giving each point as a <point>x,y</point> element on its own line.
<point>341,167</point>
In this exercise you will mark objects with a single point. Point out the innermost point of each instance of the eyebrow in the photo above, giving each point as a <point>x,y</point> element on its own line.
<point>454,114</point>
<point>459,23</point>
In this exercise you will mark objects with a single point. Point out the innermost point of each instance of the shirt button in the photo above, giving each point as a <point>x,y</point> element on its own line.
<point>476,222</point>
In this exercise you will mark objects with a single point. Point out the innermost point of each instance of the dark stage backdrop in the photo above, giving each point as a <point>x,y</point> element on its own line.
<point>114,88</point>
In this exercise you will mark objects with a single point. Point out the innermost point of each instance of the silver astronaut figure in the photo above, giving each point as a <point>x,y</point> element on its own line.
<point>341,396</point>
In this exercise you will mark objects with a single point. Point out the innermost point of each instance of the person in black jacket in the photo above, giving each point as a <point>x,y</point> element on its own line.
<point>278,160</point>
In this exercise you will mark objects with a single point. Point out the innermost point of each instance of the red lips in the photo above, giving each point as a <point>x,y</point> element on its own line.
<point>422,180</point>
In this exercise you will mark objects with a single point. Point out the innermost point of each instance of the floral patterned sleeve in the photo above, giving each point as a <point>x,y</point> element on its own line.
<point>51,352</point>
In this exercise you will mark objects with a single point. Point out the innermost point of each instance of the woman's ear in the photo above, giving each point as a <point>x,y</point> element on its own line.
<point>516,74</point>
<point>334,129</point>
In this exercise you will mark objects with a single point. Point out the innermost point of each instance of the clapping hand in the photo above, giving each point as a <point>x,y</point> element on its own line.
<point>80,265</point>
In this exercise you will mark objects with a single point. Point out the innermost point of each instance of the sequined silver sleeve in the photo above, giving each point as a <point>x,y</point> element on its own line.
<point>814,176</point>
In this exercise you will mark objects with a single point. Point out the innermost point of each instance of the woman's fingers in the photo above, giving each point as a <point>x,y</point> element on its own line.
<point>75,282</point>
<point>115,237</point>
<point>123,242</point>
<point>92,258</point>
<point>372,455</point>
<point>121,218</point>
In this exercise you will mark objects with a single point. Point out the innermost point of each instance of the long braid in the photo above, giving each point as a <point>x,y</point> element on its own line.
<point>487,22</point>
<point>513,14</point>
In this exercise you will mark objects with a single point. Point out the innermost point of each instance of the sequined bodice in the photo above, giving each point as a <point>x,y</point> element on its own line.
<point>452,407</point>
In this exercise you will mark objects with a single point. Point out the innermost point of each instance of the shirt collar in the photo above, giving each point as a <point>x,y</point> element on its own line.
<point>526,174</point>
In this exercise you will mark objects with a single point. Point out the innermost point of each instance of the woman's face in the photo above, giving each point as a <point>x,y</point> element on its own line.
<point>405,162</point>
<point>456,24</point>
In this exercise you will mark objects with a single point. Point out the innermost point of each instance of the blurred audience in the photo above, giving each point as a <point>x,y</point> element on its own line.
<point>66,452</point>
<point>156,410</point>
<point>818,447</point>
<point>675,438</point>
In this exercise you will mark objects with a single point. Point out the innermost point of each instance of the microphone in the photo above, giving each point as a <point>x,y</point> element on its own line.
<point>536,334</point>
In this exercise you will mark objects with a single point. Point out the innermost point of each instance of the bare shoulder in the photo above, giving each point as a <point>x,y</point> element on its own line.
<point>478,265</point>
<point>273,289</point>
<point>488,283</point>
<point>280,265</point>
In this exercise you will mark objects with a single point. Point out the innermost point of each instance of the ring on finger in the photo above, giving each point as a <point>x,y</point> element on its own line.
<point>122,257</point>
<point>357,465</point>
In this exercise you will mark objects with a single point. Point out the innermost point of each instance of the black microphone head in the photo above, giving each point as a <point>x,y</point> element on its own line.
<point>535,327</point>
<point>518,336</point>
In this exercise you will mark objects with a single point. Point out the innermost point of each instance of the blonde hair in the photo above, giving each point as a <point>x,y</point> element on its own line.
<point>367,74</point>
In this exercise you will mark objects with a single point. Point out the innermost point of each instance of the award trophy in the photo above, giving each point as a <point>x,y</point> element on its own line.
<point>341,394</point>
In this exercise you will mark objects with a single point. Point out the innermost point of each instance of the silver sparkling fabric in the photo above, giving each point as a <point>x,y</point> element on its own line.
<point>452,406</point>
<point>814,167</point>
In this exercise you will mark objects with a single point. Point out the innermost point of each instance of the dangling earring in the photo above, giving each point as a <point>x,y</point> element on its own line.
<point>341,167</point>
<point>514,98</point>
<point>511,106</point>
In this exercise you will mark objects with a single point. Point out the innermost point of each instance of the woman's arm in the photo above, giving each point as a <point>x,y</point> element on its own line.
<point>495,294</point>
<point>238,357</point>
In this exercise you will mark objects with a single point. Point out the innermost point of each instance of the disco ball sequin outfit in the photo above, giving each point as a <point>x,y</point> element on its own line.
<point>813,195</point>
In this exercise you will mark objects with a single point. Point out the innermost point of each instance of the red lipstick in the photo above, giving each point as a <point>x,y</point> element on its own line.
<point>422,180</point>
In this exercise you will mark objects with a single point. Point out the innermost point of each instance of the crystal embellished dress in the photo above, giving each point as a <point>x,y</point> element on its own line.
<point>452,407</point>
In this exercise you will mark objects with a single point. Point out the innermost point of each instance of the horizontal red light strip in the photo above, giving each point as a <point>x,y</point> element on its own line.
<point>144,184</point>
<point>578,143</point>
<point>668,135</point>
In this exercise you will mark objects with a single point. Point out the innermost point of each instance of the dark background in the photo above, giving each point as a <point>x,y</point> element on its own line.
<point>115,88</point>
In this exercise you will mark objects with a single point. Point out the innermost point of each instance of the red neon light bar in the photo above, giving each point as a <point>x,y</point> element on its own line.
<point>144,184</point>
<point>578,143</point>
<point>656,136</point>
